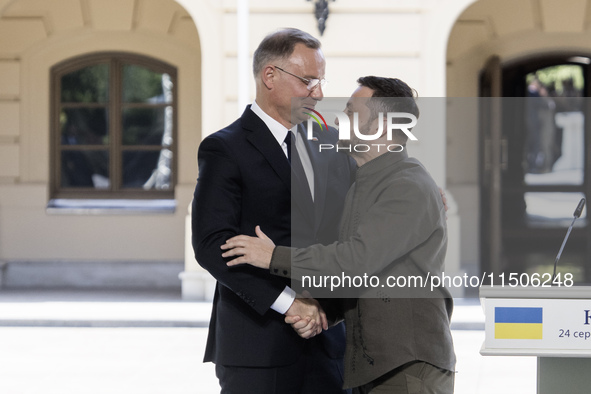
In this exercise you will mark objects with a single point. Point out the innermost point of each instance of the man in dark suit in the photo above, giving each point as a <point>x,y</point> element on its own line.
<point>245,179</point>
<point>393,226</point>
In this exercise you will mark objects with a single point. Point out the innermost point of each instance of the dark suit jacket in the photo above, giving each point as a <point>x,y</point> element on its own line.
<point>244,181</point>
<point>393,226</point>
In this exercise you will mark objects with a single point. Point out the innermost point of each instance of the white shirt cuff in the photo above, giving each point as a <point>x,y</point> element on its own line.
<point>284,301</point>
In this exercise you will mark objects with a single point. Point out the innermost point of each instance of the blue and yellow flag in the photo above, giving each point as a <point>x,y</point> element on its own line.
<point>518,323</point>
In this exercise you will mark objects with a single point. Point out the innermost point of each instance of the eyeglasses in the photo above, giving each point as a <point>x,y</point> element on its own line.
<point>311,83</point>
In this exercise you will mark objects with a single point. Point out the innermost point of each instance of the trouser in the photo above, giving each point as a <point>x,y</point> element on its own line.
<point>416,377</point>
<point>314,373</point>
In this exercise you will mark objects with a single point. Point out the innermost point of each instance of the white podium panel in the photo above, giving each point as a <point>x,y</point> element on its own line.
<point>537,327</point>
<point>553,324</point>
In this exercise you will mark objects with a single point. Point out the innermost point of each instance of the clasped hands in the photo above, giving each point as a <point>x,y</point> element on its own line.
<point>305,315</point>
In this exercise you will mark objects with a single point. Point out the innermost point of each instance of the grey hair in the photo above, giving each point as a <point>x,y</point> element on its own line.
<point>279,45</point>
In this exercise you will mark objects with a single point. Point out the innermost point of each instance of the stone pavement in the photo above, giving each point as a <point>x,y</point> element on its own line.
<point>87,342</point>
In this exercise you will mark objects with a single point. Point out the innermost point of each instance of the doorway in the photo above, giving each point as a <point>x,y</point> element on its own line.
<point>535,165</point>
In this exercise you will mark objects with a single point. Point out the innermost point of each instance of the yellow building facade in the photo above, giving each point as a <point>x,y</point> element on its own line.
<point>438,47</point>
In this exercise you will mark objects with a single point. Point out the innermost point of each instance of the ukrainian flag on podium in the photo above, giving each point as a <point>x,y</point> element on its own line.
<point>518,323</point>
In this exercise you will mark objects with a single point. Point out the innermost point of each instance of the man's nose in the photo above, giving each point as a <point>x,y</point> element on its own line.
<point>317,92</point>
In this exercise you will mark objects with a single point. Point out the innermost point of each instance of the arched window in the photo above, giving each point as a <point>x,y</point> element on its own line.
<point>113,127</point>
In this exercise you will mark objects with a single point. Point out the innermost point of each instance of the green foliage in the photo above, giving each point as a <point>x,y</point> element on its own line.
<point>140,84</point>
<point>557,75</point>
<point>87,85</point>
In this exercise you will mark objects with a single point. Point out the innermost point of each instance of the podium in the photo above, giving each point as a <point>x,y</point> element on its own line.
<point>551,323</point>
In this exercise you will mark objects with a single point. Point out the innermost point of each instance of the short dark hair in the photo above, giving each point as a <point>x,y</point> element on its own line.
<point>391,88</point>
<point>280,45</point>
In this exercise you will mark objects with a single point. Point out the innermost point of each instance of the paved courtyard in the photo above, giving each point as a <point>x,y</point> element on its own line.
<point>60,343</point>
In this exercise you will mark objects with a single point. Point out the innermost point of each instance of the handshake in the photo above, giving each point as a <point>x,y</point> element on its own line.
<point>306,317</point>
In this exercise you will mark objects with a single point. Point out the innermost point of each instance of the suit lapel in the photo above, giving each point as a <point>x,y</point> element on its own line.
<point>262,139</point>
<point>320,166</point>
<point>301,201</point>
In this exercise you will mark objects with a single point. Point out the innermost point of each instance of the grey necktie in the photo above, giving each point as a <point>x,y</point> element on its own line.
<point>296,164</point>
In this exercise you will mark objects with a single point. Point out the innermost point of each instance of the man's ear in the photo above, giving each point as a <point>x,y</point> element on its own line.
<point>268,76</point>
